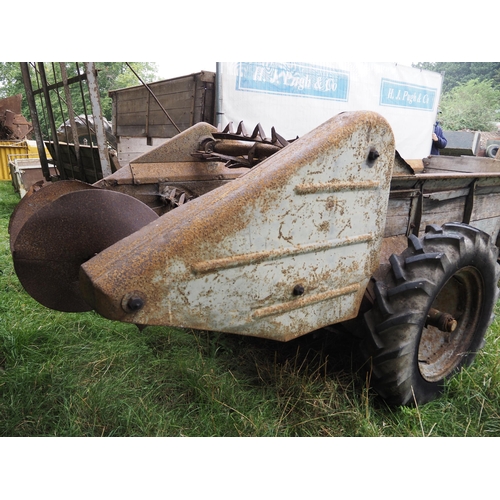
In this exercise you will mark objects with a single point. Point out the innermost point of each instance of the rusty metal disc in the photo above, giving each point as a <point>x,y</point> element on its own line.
<point>52,244</point>
<point>34,202</point>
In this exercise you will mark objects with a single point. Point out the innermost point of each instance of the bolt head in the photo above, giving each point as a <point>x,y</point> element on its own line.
<point>373,155</point>
<point>132,302</point>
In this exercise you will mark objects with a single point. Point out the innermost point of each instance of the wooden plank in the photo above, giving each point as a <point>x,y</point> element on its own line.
<point>468,164</point>
<point>486,206</point>
<point>188,100</point>
<point>398,212</point>
<point>396,225</point>
<point>139,99</point>
<point>129,148</point>
<point>180,100</point>
<point>160,89</point>
<point>490,226</point>
<point>159,131</point>
<point>440,212</point>
<point>447,195</point>
<point>177,116</point>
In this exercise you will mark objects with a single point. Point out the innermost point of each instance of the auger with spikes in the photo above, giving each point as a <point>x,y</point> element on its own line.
<point>233,147</point>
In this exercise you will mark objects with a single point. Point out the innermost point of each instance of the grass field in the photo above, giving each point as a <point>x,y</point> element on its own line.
<point>82,375</point>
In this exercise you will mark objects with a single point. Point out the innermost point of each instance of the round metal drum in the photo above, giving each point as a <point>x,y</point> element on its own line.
<point>57,238</point>
<point>34,202</point>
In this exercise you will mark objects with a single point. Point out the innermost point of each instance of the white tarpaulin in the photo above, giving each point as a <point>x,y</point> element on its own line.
<point>297,97</point>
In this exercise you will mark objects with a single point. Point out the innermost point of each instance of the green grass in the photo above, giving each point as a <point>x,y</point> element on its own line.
<point>82,375</point>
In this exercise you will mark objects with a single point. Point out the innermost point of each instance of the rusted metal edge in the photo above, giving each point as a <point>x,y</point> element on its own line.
<point>303,302</point>
<point>152,173</point>
<point>440,175</point>
<point>334,186</point>
<point>256,257</point>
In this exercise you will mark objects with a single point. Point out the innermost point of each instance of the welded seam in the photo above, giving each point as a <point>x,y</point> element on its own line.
<point>256,257</point>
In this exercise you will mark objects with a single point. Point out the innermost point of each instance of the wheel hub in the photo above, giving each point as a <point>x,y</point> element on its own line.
<point>447,336</point>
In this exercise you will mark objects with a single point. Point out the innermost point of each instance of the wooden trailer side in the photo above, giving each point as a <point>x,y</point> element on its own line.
<point>448,189</point>
<point>140,124</point>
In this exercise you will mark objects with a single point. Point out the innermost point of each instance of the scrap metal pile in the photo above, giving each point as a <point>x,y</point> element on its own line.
<point>13,125</point>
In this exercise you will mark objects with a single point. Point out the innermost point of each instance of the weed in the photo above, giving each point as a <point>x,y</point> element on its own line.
<point>82,375</point>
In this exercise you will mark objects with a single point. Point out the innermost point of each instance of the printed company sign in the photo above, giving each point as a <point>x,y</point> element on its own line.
<point>406,95</point>
<point>302,80</point>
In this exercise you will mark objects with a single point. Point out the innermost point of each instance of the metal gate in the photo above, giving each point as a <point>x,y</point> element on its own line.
<point>53,91</point>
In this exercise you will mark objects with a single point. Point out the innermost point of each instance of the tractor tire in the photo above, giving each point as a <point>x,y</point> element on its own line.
<point>448,278</point>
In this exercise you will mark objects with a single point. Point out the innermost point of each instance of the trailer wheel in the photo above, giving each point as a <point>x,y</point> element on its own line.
<point>431,312</point>
<point>492,150</point>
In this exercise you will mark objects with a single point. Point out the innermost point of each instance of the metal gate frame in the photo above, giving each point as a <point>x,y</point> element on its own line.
<point>37,85</point>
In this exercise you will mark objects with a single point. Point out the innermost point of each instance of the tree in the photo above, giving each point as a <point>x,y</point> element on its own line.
<point>472,105</point>
<point>456,73</point>
<point>111,75</point>
<point>11,82</point>
<point>117,75</point>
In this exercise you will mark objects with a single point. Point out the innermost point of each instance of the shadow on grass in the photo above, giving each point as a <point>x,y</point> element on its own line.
<point>326,354</point>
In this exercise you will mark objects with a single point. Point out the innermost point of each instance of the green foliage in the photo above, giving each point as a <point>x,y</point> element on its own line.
<point>66,374</point>
<point>111,76</point>
<point>456,73</point>
<point>117,75</point>
<point>472,105</point>
<point>11,82</point>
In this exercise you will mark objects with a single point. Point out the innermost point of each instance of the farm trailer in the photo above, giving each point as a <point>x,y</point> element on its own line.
<point>237,232</point>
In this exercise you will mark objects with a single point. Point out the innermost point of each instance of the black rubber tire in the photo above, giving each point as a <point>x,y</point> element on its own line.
<point>492,150</point>
<point>452,269</point>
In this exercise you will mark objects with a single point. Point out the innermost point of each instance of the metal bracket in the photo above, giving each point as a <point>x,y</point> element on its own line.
<point>469,202</point>
<point>416,209</point>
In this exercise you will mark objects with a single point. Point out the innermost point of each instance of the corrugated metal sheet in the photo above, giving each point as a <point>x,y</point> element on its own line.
<point>24,149</point>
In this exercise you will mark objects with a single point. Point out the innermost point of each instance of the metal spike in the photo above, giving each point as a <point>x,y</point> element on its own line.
<point>229,129</point>
<point>276,138</point>
<point>259,132</point>
<point>241,129</point>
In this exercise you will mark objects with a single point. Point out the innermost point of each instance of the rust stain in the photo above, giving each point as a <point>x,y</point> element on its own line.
<point>324,226</point>
<point>335,186</point>
<point>256,257</point>
<point>241,248</point>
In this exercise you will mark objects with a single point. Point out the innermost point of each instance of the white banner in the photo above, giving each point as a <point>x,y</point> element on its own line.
<point>297,97</point>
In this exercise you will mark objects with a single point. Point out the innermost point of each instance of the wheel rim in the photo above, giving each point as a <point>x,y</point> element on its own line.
<point>440,352</point>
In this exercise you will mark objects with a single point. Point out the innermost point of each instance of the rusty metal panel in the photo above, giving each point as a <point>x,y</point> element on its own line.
<point>13,125</point>
<point>281,251</point>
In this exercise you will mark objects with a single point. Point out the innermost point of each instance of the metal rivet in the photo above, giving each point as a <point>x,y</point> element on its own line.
<point>298,290</point>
